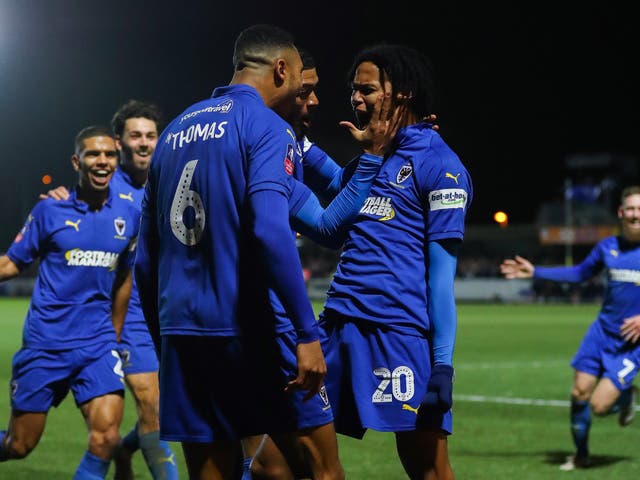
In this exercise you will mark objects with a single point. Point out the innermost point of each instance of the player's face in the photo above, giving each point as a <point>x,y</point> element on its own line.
<point>629,213</point>
<point>96,162</point>
<point>285,102</point>
<point>366,87</point>
<point>306,101</point>
<point>138,141</point>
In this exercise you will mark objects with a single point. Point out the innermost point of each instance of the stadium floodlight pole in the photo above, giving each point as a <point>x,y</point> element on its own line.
<point>568,222</point>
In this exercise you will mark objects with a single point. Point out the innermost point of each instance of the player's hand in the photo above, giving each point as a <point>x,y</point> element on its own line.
<point>432,119</point>
<point>376,138</point>
<point>630,329</point>
<point>58,193</point>
<point>311,369</point>
<point>517,267</point>
<point>439,395</point>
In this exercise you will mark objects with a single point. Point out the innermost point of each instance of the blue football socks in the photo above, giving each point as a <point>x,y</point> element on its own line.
<point>91,468</point>
<point>158,455</point>
<point>580,424</point>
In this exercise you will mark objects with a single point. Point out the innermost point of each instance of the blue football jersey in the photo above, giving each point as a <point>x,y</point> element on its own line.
<point>620,260</point>
<point>421,194</point>
<point>125,189</point>
<point>79,251</point>
<point>207,162</point>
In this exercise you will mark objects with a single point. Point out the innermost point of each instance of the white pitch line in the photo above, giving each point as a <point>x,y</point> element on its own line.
<point>517,401</point>
<point>512,400</point>
<point>510,365</point>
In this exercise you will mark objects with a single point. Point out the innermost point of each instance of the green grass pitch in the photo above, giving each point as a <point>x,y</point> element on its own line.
<point>511,418</point>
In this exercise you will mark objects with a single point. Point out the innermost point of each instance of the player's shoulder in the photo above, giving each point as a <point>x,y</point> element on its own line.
<point>50,206</point>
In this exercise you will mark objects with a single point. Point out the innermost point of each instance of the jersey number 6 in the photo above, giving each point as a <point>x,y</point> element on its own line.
<point>183,199</point>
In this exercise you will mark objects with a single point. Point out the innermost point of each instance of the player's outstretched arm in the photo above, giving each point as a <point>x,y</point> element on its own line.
<point>517,267</point>
<point>8,269</point>
<point>630,329</point>
<point>328,227</point>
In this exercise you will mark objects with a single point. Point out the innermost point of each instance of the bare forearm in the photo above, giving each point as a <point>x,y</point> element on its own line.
<point>8,269</point>
<point>121,295</point>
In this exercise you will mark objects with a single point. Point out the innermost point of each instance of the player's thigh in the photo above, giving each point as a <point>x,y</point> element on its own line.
<point>424,454</point>
<point>268,461</point>
<point>214,460</point>
<point>26,429</point>
<point>311,452</point>
<point>604,396</point>
<point>103,413</point>
<point>144,388</point>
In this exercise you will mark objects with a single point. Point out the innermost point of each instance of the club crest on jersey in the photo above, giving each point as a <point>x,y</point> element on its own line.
<point>323,395</point>
<point>288,160</point>
<point>404,173</point>
<point>120,225</point>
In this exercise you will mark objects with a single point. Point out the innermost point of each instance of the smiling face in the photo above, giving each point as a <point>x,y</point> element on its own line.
<point>629,214</point>
<point>95,163</point>
<point>366,87</point>
<point>137,143</point>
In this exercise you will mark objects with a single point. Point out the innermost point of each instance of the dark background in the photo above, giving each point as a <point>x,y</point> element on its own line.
<point>520,87</point>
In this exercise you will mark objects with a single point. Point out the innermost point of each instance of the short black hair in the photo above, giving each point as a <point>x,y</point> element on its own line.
<point>409,71</point>
<point>90,132</point>
<point>258,43</point>
<point>308,62</point>
<point>135,109</point>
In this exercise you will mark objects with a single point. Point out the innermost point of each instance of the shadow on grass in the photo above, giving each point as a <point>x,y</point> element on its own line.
<point>558,457</point>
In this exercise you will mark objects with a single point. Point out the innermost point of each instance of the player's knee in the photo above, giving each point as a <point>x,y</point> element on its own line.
<point>269,470</point>
<point>580,394</point>
<point>103,442</point>
<point>20,449</point>
<point>600,408</point>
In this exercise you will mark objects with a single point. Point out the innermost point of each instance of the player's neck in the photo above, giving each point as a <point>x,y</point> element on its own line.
<point>139,177</point>
<point>255,78</point>
<point>94,198</point>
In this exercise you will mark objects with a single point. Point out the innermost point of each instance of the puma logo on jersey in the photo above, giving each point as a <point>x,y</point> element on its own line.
<point>410,408</point>
<point>126,196</point>
<point>73,224</point>
<point>451,175</point>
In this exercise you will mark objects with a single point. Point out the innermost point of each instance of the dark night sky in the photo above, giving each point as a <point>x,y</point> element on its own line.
<point>519,87</point>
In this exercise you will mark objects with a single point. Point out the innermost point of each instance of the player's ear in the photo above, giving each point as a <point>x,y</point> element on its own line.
<point>75,161</point>
<point>280,71</point>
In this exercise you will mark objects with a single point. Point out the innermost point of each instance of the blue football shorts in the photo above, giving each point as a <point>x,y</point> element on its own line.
<point>604,355</point>
<point>42,378</point>
<point>376,379</point>
<point>137,350</point>
<point>221,388</point>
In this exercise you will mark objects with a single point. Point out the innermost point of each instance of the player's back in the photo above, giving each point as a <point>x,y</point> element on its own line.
<point>205,164</point>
